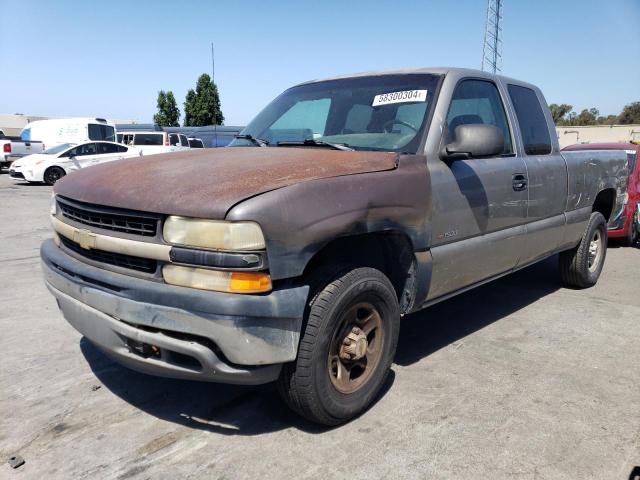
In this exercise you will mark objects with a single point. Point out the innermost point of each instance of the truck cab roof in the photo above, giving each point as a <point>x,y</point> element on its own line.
<point>453,71</point>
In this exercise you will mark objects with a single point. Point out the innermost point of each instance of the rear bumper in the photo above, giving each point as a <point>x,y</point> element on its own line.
<point>174,331</point>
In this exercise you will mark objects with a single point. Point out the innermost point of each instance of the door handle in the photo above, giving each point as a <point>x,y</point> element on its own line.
<point>519,182</point>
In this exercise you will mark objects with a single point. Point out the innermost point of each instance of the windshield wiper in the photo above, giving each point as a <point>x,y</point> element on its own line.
<point>256,141</point>
<point>317,143</point>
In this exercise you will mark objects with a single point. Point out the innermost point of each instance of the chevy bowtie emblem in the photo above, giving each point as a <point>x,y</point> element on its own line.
<point>85,239</point>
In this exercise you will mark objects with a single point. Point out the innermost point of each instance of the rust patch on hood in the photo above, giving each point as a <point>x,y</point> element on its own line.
<point>207,183</point>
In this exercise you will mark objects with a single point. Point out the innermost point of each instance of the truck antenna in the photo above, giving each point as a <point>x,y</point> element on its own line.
<point>213,70</point>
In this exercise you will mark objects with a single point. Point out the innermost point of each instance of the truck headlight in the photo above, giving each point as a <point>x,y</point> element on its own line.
<point>214,234</point>
<point>205,279</point>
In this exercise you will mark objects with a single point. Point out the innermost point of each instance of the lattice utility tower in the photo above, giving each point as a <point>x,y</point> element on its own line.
<point>492,47</point>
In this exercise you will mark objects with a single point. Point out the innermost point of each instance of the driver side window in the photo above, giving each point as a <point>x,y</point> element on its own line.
<point>81,150</point>
<point>478,101</point>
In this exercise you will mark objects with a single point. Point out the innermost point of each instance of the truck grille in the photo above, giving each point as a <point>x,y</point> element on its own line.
<point>106,218</point>
<point>146,265</point>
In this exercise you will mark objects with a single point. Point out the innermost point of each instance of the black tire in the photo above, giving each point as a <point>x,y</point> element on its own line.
<point>580,268</point>
<point>53,174</point>
<point>309,385</point>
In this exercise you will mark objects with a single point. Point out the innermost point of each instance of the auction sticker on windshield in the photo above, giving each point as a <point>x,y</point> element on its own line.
<point>405,96</point>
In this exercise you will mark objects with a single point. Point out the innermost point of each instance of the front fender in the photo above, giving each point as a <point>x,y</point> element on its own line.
<point>300,219</point>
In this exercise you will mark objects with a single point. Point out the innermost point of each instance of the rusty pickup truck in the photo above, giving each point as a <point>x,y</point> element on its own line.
<point>292,254</point>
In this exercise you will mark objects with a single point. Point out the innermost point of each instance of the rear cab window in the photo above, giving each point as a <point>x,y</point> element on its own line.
<point>183,141</point>
<point>533,124</point>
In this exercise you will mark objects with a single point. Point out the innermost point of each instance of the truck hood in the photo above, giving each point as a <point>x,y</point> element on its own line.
<point>207,183</point>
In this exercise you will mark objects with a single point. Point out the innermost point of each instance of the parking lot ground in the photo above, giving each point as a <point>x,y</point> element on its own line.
<point>519,378</point>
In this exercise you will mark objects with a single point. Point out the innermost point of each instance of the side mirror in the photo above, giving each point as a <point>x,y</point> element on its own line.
<point>474,140</point>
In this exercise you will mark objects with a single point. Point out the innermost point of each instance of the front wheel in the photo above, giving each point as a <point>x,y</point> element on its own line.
<point>52,175</point>
<point>580,267</point>
<point>346,349</point>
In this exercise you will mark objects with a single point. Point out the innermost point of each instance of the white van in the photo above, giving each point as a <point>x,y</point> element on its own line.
<point>68,130</point>
<point>154,142</point>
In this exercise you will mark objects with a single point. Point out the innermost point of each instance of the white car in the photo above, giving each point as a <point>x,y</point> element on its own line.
<point>54,163</point>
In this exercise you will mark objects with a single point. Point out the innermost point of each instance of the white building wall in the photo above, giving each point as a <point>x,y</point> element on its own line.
<point>598,134</point>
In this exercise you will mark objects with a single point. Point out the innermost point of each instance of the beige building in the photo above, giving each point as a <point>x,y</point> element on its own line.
<point>12,124</point>
<point>598,134</point>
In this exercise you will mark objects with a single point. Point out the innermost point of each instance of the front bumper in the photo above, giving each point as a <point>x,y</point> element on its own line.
<point>175,331</point>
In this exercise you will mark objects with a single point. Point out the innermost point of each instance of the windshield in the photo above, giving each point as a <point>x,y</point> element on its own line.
<point>383,112</point>
<point>58,148</point>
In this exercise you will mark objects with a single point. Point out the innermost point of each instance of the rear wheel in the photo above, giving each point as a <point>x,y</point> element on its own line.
<point>580,267</point>
<point>53,174</point>
<point>346,349</point>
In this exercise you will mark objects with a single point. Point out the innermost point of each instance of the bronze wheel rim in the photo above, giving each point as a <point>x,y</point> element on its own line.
<point>356,347</point>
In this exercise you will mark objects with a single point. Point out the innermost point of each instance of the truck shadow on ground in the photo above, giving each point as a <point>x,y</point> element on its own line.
<point>242,410</point>
<point>617,243</point>
<point>442,324</point>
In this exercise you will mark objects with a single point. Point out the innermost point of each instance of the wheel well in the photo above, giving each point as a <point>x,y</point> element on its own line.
<point>52,167</point>
<point>604,203</point>
<point>389,252</point>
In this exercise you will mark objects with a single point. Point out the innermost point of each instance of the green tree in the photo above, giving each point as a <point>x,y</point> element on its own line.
<point>202,106</point>
<point>586,117</point>
<point>608,120</point>
<point>559,112</point>
<point>189,107</point>
<point>168,111</point>
<point>630,114</point>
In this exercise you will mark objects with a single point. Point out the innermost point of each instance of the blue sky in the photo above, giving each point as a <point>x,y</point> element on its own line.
<point>83,58</point>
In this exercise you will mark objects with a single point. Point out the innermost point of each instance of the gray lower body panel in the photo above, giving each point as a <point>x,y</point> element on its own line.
<point>175,331</point>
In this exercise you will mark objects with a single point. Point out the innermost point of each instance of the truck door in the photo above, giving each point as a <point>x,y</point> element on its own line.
<point>547,175</point>
<point>479,204</point>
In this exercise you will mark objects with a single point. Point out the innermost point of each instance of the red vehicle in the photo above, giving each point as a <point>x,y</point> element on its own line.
<point>624,224</point>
